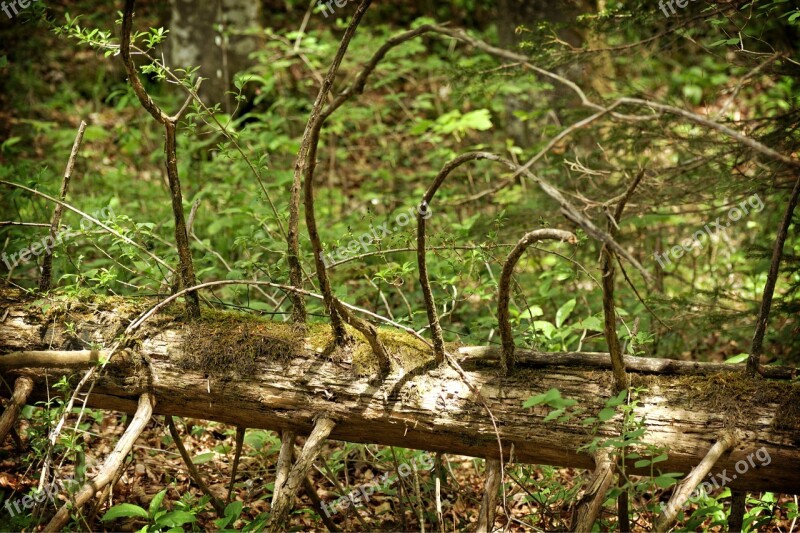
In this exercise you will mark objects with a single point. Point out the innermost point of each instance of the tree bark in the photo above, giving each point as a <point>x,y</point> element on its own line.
<point>211,35</point>
<point>289,384</point>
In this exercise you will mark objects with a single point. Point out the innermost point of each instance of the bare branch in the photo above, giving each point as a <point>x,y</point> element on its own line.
<point>754,361</point>
<point>485,522</point>
<point>304,178</point>
<point>219,506</point>
<point>609,309</point>
<point>681,494</point>
<point>507,360</point>
<point>47,265</point>
<point>50,359</point>
<point>187,276</point>
<point>107,472</point>
<point>22,389</point>
<point>240,431</point>
<point>285,497</point>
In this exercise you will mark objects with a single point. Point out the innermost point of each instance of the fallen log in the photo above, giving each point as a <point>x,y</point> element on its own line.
<point>246,371</point>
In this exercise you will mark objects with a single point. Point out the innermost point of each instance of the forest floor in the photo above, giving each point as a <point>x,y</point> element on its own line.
<point>543,505</point>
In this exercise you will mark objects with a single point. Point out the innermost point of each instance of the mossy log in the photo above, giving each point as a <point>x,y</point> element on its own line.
<point>246,371</point>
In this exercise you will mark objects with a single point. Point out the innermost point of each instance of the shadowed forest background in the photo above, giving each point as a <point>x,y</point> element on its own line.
<point>700,222</point>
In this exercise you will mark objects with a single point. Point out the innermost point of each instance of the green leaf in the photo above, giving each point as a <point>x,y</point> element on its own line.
<point>234,509</point>
<point>619,399</point>
<point>564,311</point>
<point>555,413</point>
<point>155,503</point>
<point>741,358</point>
<point>176,518</point>
<point>660,458</point>
<point>667,480</point>
<point>479,119</point>
<point>203,458</point>
<point>607,413</point>
<point>544,398</point>
<point>533,311</point>
<point>545,327</point>
<point>591,323</point>
<point>124,510</point>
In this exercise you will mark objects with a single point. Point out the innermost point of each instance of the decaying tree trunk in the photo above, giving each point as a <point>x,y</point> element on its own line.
<point>248,372</point>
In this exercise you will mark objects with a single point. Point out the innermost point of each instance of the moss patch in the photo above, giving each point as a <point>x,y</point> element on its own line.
<point>406,351</point>
<point>232,343</point>
<point>727,392</point>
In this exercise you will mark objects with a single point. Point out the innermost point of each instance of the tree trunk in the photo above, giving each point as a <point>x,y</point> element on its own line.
<point>248,372</point>
<point>208,35</point>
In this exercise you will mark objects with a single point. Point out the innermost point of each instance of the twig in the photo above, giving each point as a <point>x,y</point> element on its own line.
<point>754,361</point>
<point>23,224</point>
<point>219,506</point>
<point>507,358</point>
<point>187,275</point>
<point>681,494</point>
<point>47,265</point>
<point>124,446</point>
<point>609,308</point>
<point>240,431</point>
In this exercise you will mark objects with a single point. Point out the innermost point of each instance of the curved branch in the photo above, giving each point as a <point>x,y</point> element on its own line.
<point>304,178</point>
<point>357,87</point>
<point>507,360</point>
<point>423,213</point>
<point>369,332</point>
